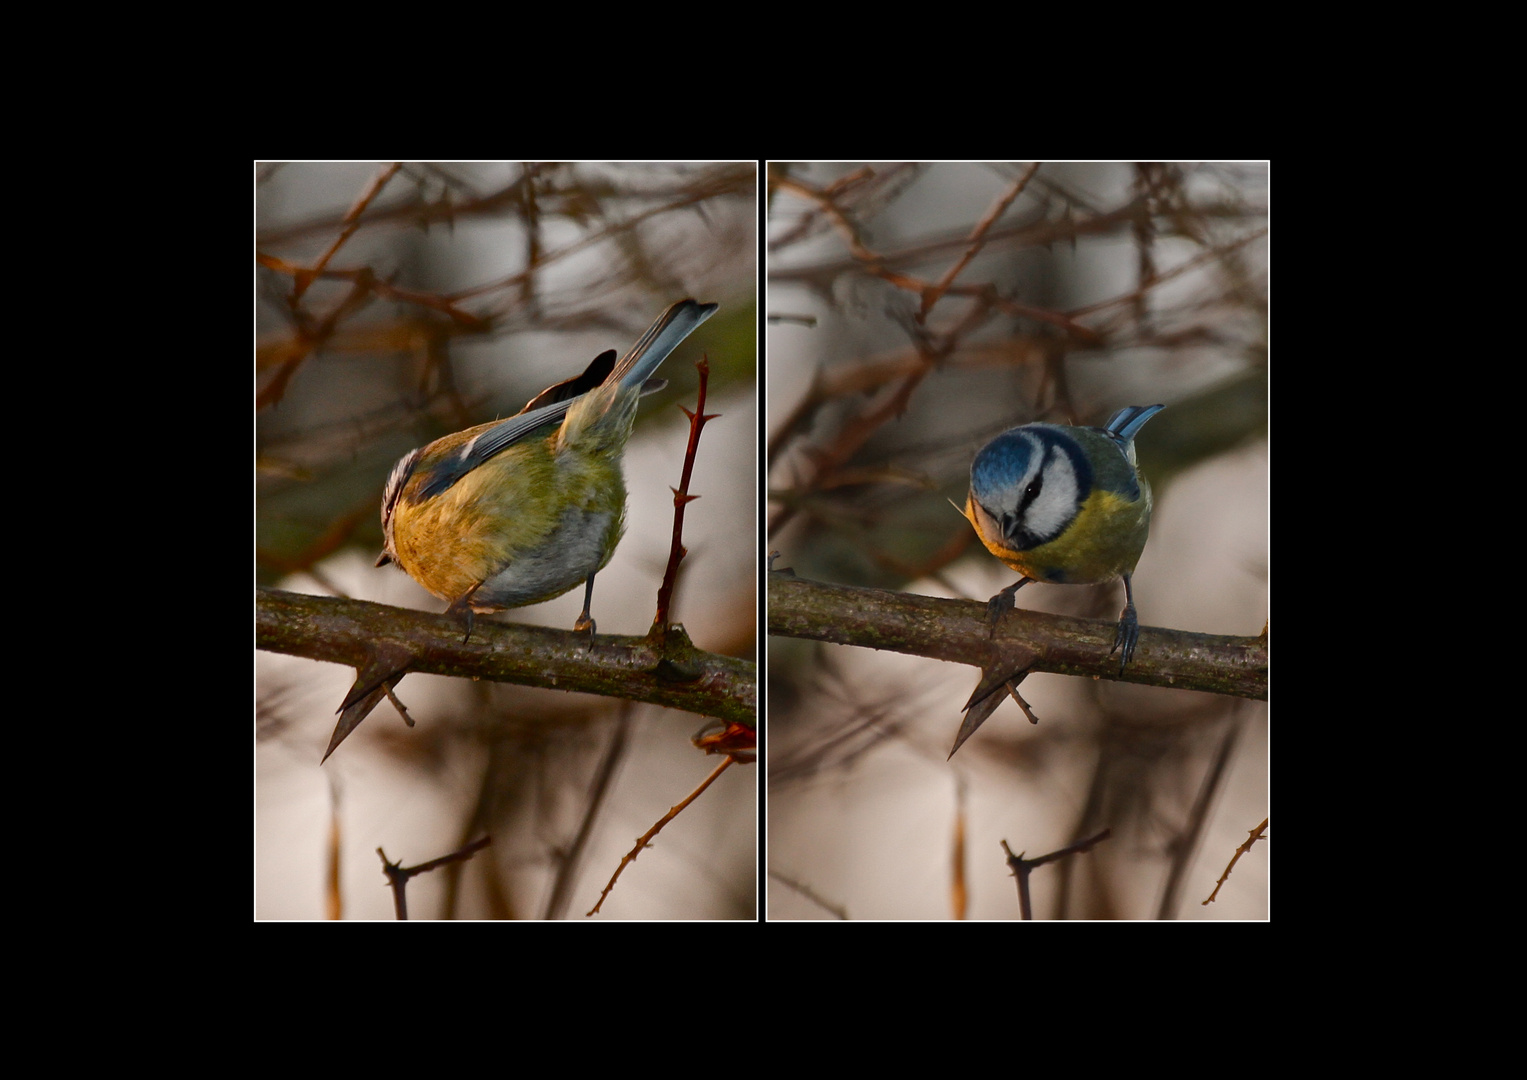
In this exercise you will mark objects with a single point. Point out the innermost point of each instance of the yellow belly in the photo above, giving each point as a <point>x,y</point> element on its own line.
<point>527,526</point>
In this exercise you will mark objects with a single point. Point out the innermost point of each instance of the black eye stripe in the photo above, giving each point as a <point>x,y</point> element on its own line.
<point>1035,486</point>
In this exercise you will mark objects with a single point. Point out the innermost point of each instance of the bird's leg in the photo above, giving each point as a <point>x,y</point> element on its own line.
<point>585,623</point>
<point>1002,603</point>
<point>461,608</point>
<point>1129,628</point>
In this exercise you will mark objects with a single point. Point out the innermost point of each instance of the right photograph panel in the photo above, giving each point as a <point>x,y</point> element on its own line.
<point>1017,457</point>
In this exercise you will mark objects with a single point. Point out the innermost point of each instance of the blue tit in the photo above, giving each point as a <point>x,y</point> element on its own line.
<point>522,510</point>
<point>1067,506</point>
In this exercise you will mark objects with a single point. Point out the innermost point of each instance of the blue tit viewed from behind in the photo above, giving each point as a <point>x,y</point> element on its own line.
<point>521,510</point>
<point>1065,506</point>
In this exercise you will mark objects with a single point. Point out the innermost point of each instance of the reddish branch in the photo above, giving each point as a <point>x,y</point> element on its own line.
<point>681,497</point>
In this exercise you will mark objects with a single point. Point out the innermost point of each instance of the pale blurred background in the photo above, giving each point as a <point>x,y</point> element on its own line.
<point>1099,285</point>
<point>488,282</point>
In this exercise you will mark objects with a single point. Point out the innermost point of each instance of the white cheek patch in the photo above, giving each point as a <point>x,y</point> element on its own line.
<point>1049,514</point>
<point>1007,511</point>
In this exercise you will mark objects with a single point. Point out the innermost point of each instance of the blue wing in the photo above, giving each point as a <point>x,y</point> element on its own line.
<point>661,338</point>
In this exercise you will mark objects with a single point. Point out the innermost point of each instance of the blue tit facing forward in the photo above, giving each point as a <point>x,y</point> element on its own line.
<point>1067,506</point>
<point>522,510</point>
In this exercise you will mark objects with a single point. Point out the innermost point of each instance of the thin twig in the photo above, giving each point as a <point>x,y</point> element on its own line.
<point>681,498</point>
<point>1251,838</point>
<point>1198,818</point>
<point>385,290</point>
<point>1217,252</point>
<point>1023,867</point>
<point>932,295</point>
<point>837,910</point>
<point>562,888</point>
<point>646,838</point>
<point>351,222</point>
<point>398,875</point>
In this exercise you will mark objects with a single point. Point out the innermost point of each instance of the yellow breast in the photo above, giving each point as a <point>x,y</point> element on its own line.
<point>1103,542</point>
<point>509,509</point>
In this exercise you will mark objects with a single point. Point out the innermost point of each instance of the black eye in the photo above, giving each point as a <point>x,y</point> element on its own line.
<point>1031,492</point>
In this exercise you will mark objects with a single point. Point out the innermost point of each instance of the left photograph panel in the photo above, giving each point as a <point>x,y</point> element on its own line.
<point>506,468</point>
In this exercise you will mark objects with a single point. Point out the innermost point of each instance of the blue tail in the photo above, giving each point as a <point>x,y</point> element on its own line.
<point>661,338</point>
<point>1127,422</point>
